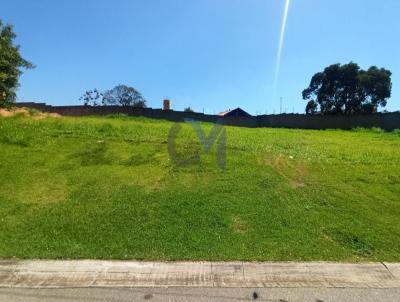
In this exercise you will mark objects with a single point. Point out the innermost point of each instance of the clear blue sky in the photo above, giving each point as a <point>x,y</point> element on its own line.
<point>211,54</point>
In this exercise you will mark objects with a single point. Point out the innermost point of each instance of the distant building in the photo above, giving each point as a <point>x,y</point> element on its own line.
<point>238,112</point>
<point>166,104</point>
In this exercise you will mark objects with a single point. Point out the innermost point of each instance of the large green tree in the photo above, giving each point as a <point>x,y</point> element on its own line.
<point>122,95</point>
<point>347,89</point>
<point>11,63</point>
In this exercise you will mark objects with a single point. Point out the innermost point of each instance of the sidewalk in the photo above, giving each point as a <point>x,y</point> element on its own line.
<point>93,273</point>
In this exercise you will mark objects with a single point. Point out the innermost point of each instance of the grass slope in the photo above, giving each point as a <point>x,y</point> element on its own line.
<point>106,188</point>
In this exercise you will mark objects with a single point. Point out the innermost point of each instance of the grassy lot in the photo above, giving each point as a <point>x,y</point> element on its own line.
<point>106,188</point>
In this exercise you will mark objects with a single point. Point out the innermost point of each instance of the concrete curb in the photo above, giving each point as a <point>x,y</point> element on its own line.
<point>93,273</point>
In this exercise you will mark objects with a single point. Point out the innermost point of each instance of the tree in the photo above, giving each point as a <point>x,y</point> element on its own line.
<point>91,97</point>
<point>188,109</point>
<point>311,107</point>
<point>347,89</point>
<point>11,63</point>
<point>122,95</point>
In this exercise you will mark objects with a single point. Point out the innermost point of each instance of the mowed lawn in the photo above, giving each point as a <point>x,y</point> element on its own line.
<point>105,187</point>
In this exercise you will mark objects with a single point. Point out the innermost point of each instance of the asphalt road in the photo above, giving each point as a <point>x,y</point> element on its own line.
<point>198,294</point>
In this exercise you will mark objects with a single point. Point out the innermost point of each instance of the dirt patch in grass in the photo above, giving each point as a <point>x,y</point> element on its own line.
<point>239,225</point>
<point>13,112</point>
<point>27,112</point>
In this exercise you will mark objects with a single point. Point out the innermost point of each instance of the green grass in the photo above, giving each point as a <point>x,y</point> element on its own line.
<point>106,188</point>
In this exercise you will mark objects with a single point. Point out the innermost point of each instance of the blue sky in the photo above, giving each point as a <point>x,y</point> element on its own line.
<point>207,54</point>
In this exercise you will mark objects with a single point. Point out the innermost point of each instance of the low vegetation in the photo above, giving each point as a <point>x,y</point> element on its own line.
<point>106,188</point>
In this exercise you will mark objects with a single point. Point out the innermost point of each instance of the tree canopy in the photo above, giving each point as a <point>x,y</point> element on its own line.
<point>11,63</point>
<point>188,109</point>
<point>120,95</point>
<point>347,89</point>
<point>91,97</point>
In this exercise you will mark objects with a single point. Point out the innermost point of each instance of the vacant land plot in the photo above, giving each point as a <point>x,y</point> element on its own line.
<point>106,188</point>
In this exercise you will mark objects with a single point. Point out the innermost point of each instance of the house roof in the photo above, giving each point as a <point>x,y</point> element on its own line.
<point>223,113</point>
<point>235,112</point>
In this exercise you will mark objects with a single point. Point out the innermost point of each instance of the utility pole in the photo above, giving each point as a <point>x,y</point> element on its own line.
<point>280,107</point>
